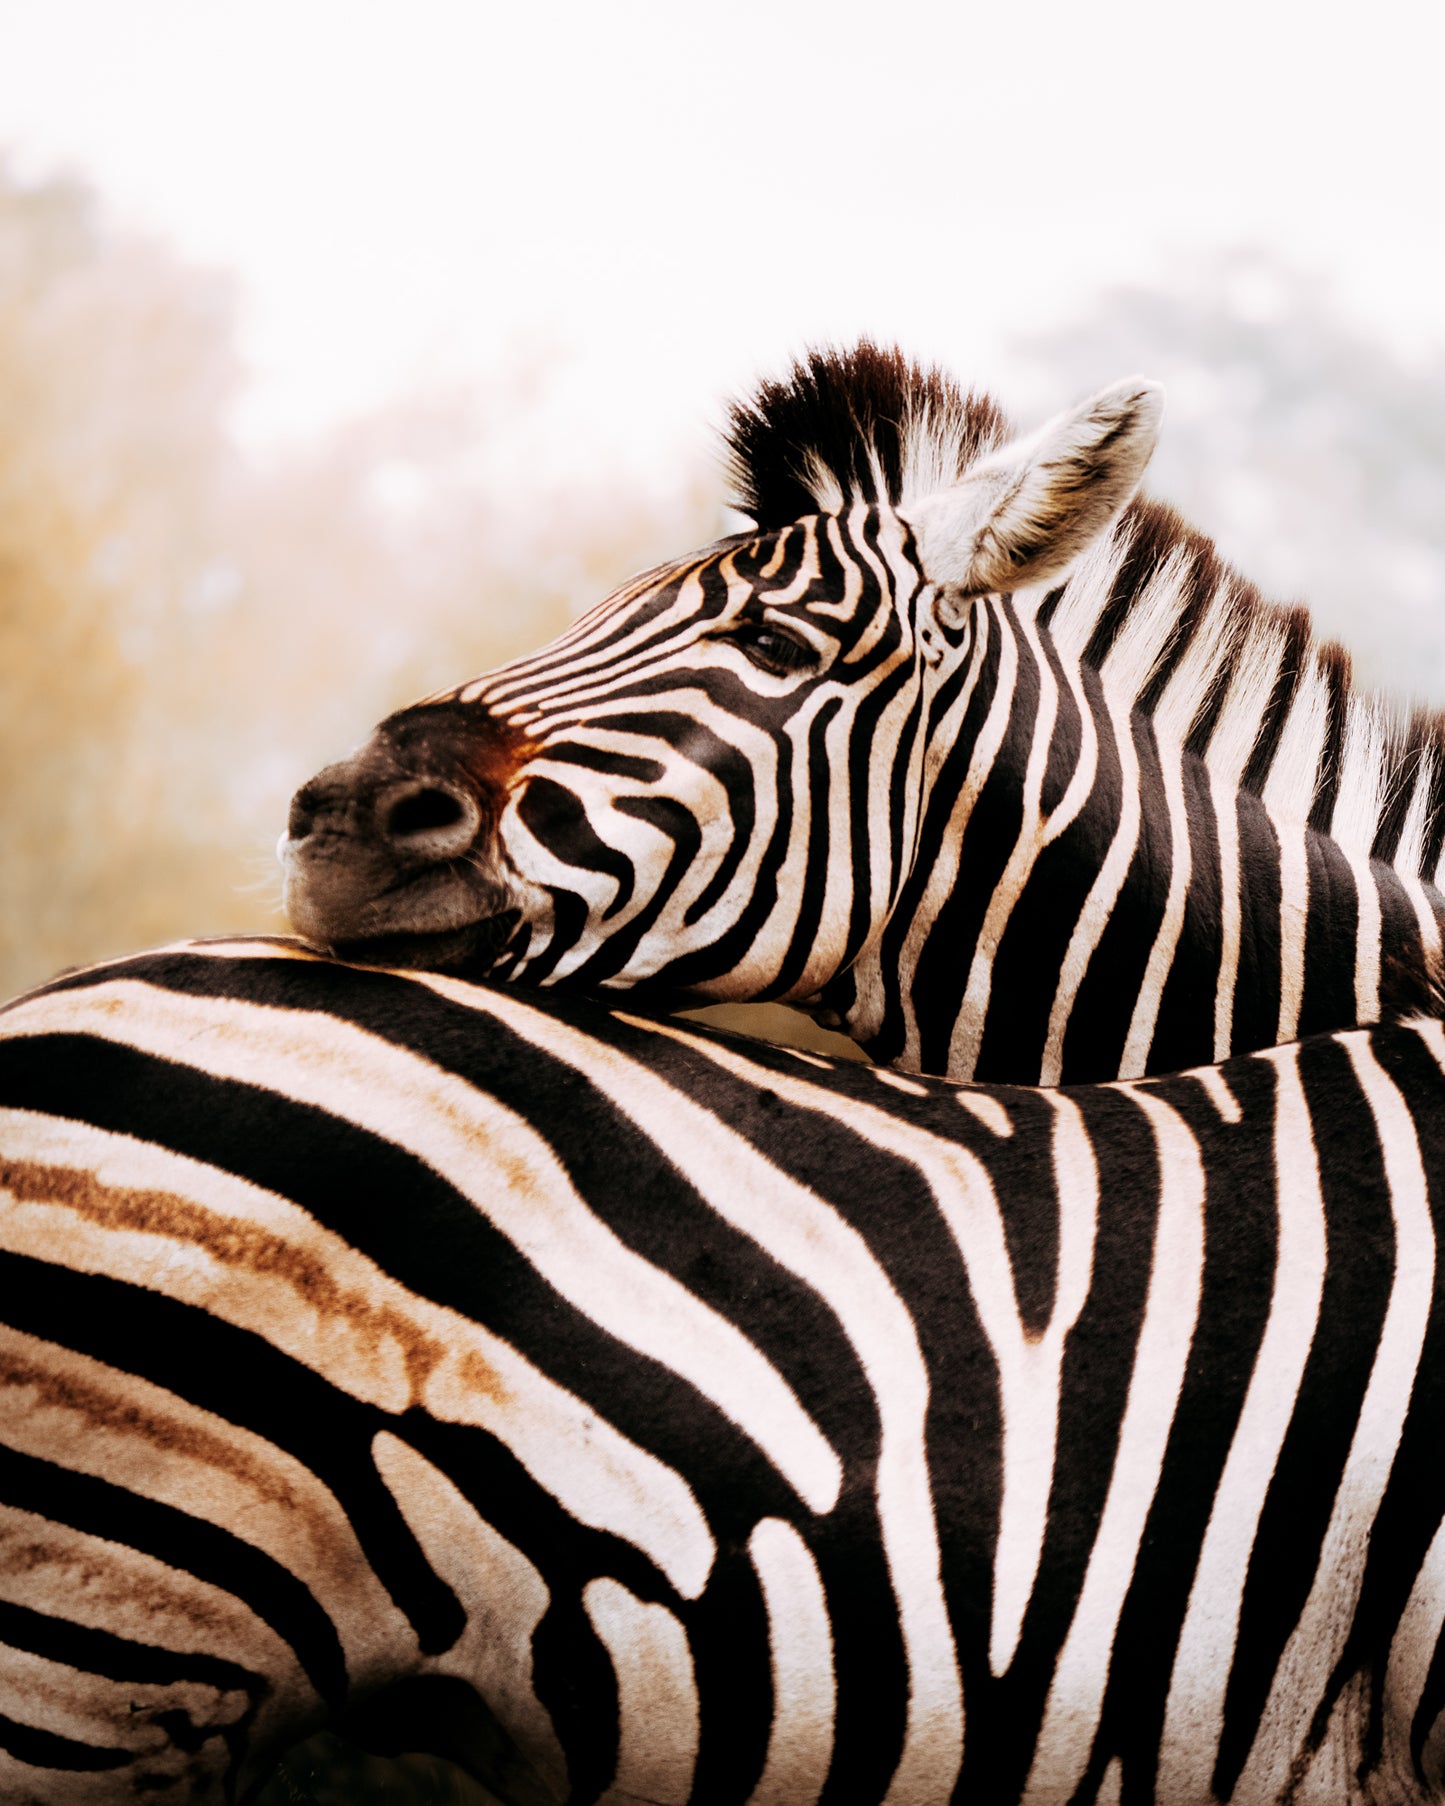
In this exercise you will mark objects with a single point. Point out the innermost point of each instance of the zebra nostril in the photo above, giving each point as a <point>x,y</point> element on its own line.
<point>418,814</point>
<point>301,816</point>
<point>429,821</point>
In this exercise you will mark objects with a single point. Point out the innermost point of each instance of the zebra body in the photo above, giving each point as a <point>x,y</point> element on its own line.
<point>1008,784</point>
<point>633,1413</point>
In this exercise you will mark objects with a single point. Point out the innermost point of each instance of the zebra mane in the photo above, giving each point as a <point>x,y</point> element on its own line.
<point>1243,682</point>
<point>866,423</point>
<point>1170,626</point>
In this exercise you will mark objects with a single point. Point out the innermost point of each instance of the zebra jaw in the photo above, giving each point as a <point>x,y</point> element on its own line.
<point>468,952</point>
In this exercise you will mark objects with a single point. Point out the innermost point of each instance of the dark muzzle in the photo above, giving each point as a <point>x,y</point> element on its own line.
<point>391,855</point>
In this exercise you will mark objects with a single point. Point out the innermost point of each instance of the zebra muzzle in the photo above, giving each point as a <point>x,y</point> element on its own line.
<point>394,870</point>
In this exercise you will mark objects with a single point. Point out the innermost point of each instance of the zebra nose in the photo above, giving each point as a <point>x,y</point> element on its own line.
<point>427,821</point>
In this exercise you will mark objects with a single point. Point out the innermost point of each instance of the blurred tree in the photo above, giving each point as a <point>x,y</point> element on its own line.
<point>1314,456</point>
<point>186,633</point>
<point>115,364</point>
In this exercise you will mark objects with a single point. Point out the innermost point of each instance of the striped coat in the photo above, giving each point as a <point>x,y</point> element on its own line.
<point>632,1413</point>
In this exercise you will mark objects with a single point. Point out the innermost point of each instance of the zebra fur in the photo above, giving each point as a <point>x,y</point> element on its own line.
<point>1126,822</point>
<point>632,1413</point>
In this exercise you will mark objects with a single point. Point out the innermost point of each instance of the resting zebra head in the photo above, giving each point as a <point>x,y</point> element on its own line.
<point>1007,774</point>
<point>713,781</point>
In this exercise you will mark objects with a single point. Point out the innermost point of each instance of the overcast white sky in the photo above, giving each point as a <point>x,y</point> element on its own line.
<point>677,195</point>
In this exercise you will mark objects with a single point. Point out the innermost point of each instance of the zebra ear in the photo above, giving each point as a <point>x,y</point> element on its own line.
<point>1025,512</point>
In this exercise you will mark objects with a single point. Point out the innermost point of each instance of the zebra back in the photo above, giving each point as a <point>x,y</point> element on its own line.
<point>631,1412</point>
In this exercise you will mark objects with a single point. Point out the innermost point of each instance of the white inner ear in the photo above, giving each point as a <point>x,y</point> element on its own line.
<point>1024,514</point>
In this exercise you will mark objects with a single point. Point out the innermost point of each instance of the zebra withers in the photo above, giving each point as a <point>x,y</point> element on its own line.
<point>937,752</point>
<point>632,1413</point>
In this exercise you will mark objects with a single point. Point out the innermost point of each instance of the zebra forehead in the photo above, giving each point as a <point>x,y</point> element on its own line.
<point>866,422</point>
<point>797,561</point>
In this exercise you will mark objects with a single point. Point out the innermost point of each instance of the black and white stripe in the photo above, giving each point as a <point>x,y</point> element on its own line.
<point>638,1414</point>
<point>1006,790</point>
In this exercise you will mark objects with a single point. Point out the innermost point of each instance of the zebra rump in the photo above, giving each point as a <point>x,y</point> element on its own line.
<point>633,1413</point>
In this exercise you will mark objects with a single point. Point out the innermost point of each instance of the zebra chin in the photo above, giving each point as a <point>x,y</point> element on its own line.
<point>441,920</point>
<point>468,952</point>
<point>345,900</point>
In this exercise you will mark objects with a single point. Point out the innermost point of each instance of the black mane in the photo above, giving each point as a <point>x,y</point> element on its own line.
<point>842,420</point>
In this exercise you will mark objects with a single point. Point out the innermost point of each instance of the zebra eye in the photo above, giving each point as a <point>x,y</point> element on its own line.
<point>770,649</point>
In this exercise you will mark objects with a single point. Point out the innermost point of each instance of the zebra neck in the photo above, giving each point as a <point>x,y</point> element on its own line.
<point>1328,937</point>
<point>1166,924</point>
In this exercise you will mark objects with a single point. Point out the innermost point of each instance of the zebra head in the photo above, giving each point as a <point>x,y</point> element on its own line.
<point>713,783</point>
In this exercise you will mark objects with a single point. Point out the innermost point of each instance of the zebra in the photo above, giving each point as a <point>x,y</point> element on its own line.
<point>1005,774</point>
<point>634,1413</point>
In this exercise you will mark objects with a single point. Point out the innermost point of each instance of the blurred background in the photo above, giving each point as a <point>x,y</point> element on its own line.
<point>348,347</point>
